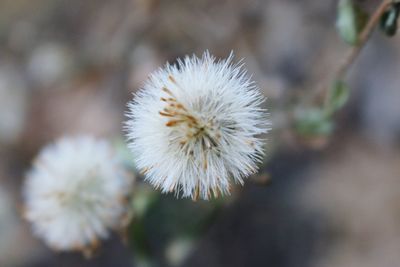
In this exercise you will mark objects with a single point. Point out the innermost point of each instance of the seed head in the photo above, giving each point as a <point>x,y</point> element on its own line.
<point>195,126</point>
<point>75,193</point>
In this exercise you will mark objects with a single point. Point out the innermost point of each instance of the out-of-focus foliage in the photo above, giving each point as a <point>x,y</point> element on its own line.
<point>389,20</point>
<point>338,96</point>
<point>351,20</point>
<point>313,122</point>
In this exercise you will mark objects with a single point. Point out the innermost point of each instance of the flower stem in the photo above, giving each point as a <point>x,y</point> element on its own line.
<point>363,38</point>
<point>351,56</point>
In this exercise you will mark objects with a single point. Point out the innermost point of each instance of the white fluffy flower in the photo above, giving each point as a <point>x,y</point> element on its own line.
<point>195,125</point>
<point>75,193</point>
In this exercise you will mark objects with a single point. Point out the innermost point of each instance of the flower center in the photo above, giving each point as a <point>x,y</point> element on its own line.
<point>189,129</point>
<point>85,193</point>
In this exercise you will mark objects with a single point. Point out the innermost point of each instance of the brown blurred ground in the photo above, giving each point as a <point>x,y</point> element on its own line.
<point>69,67</point>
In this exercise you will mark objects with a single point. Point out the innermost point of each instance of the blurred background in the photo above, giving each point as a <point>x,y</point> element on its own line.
<point>70,67</point>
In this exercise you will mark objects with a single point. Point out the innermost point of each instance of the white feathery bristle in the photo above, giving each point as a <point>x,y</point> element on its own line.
<point>75,193</point>
<point>196,125</point>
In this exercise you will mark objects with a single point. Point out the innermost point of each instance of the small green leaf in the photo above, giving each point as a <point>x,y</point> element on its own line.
<point>337,97</point>
<point>350,21</point>
<point>313,122</point>
<point>346,22</point>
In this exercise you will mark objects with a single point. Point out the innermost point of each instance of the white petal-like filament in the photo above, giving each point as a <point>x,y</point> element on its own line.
<point>196,125</point>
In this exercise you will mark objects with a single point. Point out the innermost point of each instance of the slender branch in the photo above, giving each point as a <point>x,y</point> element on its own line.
<point>343,68</point>
<point>351,56</point>
<point>363,38</point>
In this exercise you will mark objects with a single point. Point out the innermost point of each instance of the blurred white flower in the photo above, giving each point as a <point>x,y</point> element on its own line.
<point>195,125</point>
<point>76,192</point>
<point>50,65</point>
